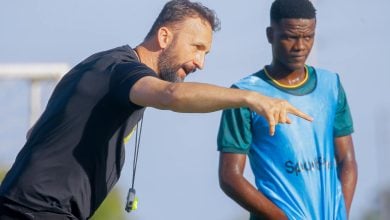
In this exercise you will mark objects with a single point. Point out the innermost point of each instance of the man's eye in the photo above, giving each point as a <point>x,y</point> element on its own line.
<point>308,37</point>
<point>199,47</point>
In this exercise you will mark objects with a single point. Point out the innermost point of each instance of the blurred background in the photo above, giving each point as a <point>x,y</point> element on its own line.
<point>178,161</point>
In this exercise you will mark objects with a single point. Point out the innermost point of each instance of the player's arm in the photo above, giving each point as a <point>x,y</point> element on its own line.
<point>237,187</point>
<point>347,167</point>
<point>201,97</point>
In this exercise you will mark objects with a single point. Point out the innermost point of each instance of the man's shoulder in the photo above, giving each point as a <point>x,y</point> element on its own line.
<point>323,74</point>
<point>322,70</point>
<point>123,53</point>
<point>250,80</point>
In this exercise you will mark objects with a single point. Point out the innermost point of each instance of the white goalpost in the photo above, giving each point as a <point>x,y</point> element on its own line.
<point>35,73</point>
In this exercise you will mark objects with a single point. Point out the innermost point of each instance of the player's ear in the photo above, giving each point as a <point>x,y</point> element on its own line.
<point>164,37</point>
<point>270,34</point>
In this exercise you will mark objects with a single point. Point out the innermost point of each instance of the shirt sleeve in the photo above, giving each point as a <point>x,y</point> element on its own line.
<point>343,124</point>
<point>125,75</point>
<point>234,135</point>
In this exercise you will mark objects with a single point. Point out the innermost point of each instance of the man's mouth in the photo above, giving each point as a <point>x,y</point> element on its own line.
<point>302,57</point>
<point>182,73</point>
<point>188,70</point>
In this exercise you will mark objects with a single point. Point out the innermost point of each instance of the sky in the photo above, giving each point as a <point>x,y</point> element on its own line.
<point>178,161</point>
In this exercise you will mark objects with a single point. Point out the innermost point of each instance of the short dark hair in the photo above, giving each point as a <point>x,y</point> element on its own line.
<point>177,10</point>
<point>292,9</point>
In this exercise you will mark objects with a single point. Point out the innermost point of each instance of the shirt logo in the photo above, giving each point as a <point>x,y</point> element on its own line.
<point>317,164</point>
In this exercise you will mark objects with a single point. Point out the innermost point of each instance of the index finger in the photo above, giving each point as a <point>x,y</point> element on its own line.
<point>291,109</point>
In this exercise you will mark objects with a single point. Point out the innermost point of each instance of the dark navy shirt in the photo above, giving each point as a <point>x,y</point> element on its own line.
<point>74,153</point>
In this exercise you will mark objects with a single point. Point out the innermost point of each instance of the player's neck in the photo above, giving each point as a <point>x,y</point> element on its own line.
<point>147,56</point>
<point>286,78</point>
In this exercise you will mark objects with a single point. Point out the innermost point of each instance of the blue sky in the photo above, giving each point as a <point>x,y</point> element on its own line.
<point>177,171</point>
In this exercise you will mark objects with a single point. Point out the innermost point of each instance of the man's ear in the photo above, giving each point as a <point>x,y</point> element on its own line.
<point>270,34</point>
<point>164,37</point>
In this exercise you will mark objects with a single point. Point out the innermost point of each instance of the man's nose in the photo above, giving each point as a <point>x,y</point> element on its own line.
<point>199,60</point>
<point>299,44</point>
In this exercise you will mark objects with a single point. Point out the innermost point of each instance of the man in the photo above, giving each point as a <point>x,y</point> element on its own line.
<point>74,153</point>
<point>306,170</point>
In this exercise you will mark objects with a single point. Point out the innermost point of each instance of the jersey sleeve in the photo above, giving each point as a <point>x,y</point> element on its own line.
<point>234,135</point>
<point>125,75</point>
<point>343,124</point>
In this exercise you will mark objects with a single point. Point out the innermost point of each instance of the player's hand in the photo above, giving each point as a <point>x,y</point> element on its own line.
<point>275,110</point>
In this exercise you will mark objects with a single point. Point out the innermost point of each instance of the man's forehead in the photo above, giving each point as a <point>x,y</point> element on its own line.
<point>195,24</point>
<point>197,29</point>
<point>297,23</point>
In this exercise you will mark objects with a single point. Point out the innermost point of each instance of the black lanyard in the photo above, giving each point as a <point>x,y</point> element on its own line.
<point>131,203</point>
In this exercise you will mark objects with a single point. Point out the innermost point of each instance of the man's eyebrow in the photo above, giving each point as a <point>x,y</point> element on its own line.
<point>202,46</point>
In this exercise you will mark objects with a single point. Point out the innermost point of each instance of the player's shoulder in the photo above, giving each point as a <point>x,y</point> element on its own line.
<point>249,80</point>
<point>324,73</point>
<point>321,70</point>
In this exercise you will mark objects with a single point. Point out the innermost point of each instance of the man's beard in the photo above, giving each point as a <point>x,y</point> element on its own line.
<point>167,68</point>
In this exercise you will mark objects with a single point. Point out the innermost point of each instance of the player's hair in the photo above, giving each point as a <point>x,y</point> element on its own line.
<point>292,9</point>
<point>176,11</point>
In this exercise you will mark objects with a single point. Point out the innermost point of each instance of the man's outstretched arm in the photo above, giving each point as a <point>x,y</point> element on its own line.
<point>201,97</point>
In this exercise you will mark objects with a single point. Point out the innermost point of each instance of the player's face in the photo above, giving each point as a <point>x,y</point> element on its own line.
<point>186,53</point>
<point>292,41</point>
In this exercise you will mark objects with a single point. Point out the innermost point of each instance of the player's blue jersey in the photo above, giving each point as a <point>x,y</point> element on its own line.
<point>296,168</point>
